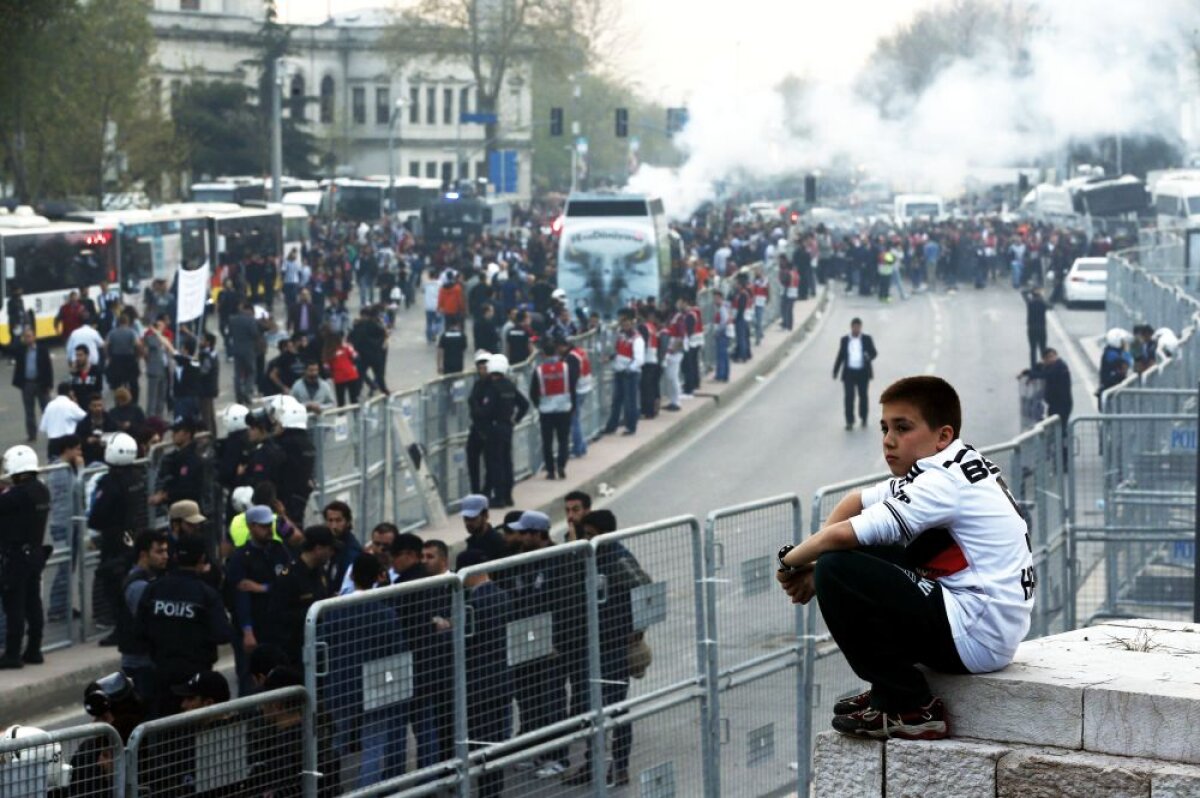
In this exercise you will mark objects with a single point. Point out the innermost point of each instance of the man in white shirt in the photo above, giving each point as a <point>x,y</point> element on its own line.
<point>60,417</point>
<point>855,354</point>
<point>86,335</point>
<point>627,359</point>
<point>933,567</point>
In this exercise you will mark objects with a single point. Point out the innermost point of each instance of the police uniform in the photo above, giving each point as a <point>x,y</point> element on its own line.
<point>181,475</point>
<point>476,441</point>
<point>502,407</point>
<point>182,620</point>
<point>265,464</point>
<point>118,513</point>
<point>295,482</point>
<point>295,590</point>
<point>261,563</point>
<point>24,509</point>
<point>232,451</point>
<point>552,389</point>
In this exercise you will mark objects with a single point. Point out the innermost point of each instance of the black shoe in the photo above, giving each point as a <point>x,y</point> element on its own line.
<point>562,473</point>
<point>550,475</point>
<point>854,703</point>
<point>11,663</point>
<point>109,641</point>
<point>849,426</point>
<point>33,657</point>
<point>864,422</point>
<point>922,723</point>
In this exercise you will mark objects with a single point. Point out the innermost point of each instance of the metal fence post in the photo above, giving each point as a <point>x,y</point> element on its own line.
<point>712,735</point>
<point>462,746</point>
<point>595,686</point>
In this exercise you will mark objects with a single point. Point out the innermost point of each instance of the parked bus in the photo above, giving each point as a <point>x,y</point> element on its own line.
<point>48,260</point>
<point>355,200</point>
<point>613,250</point>
<point>234,190</point>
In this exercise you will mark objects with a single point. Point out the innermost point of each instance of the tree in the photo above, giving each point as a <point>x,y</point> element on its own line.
<point>299,146</point>
<point>221,129</point>
<point>74,90</point>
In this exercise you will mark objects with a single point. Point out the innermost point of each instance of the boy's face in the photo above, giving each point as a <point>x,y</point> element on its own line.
<point>907,437</point>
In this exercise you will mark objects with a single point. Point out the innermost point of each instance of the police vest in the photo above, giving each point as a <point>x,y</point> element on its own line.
<point>793,288</point>
<point>585,383</point>
<point>761,292</point>
<point>678,330</point>
<point>624,361</point>
<point>552,384</point>
<point>239,530</point>
<point>651,342</point>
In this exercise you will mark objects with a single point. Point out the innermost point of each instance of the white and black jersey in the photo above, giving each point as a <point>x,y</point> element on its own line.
<point>960,525</point>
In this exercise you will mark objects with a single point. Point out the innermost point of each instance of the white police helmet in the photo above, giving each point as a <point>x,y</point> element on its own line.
<point>242,498</point>
<point>18,460</point>
<point>23,765</point>
<point>1116,337</point>
<point>121,450</point>
<point>497,364</point>
<point>234,418</point>
<point>274,406</point>
<point>1168,343</point>
<point>292,414</point>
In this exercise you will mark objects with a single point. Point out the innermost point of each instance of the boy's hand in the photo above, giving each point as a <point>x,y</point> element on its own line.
<point>798,583</point>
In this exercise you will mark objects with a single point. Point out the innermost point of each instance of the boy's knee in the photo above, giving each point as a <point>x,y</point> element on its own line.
<point>833,565</point>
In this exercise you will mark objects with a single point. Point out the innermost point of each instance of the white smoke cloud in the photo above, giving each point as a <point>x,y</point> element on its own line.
<point>1091,68</point>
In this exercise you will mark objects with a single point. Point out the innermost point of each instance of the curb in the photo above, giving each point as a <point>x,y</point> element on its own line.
<point>643,455</point>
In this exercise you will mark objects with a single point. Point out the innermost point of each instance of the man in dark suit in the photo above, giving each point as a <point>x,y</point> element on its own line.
<point>854,358</point>
<point>33,374</point>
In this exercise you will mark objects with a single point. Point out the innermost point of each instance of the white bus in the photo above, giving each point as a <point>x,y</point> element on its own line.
<point>47,260</point>
<point>1177,201</point>
<point>908,208</point>
<point>352,199</point>
<point>613,250</point>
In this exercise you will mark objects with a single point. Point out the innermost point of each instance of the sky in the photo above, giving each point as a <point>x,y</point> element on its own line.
<point>674,52</point>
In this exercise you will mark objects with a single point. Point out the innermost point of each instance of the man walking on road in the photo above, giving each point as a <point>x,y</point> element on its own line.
<point>1035,325</point>
<point>855,354</point>
<point>552,390</point>
<point>33,375</point>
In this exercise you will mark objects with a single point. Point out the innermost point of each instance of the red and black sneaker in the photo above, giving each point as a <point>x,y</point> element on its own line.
<point>924,723</point>
<point>853,704</point>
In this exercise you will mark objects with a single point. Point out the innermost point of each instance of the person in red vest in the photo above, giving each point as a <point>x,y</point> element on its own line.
<point>629,353</point>
<point>651,370</point>
<point>790,279</point>
<point>577,358</point>
<point>760,288</point>
<point>552,389</point>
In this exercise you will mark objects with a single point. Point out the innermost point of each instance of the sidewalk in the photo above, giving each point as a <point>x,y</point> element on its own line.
<point>613,459</point>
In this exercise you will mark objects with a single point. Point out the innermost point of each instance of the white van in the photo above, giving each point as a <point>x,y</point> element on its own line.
<point>907,208</point>
<point>1177,202</point>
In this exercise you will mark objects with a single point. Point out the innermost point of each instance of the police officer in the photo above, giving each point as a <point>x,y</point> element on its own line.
<point>296,481</point>
<point>182,620</point>
<point>501,408</point>
<point>181,475</point>
<point>552,388</point>
<point>252,570</point>
<point>233,451</point>
<point>24,509</point>
<point>266,460</point>
<point>476,444</point>
<point>153,552</point>
<point>118,513</point>
<point>297,588</point>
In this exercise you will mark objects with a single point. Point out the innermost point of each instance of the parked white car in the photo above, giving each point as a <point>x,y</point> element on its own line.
<point>1087,281</point>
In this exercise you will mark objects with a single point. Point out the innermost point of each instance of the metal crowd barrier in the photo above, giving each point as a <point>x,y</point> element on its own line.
<point>82,762</point>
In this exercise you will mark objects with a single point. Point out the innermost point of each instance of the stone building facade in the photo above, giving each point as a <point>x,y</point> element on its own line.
<point>348,89</point>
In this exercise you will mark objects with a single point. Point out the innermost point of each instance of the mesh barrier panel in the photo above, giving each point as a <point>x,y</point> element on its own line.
<point>375,428</point>
<point>84,761</point>
<point>248,746</point>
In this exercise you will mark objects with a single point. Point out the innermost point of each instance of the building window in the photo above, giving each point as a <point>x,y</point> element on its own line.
<point>189,5</point>
<point>447,172</point>
<point>481,172</point>
<point>327,100</point>
<point>414,168</point>
<point>383,105</point>
<point>448,107</point>
<point>464,100</point>
<point>431,106</point>
<point>358,105</point>
<point>414,106</point>
<point>431,168</point>
<point>296,98</point>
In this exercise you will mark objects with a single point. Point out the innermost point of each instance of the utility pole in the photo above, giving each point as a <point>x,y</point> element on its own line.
<point>395,118</point>
<point>277,130</point>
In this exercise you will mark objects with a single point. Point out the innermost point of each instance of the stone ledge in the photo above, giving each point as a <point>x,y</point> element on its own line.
<point>1130,688</point>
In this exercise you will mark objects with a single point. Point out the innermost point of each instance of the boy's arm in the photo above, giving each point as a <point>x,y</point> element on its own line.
<point>831,537</point>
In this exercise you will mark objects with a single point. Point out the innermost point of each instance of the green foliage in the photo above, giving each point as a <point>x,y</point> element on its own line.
<point>75,87</point>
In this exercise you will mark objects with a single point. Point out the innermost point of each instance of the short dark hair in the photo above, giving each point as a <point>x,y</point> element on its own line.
<point>855,320</point>
<point>407,542</point>
<point>64,389</point>
<point>366,570</point>
<point>264,493</point>
<point>147,538</point>
<point>69,442</point>
<point>339,506</point>
<point>579,496</point>
<point>935,399</point>
<point>84,349</point>
<point>387,527</point>
<point>442,549</point>
<point>600,520</point>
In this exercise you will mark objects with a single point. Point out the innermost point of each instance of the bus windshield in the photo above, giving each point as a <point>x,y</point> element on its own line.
<point>59,261</point>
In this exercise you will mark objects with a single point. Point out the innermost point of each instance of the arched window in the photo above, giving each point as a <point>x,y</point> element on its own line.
<point>296,97</point>
<point>327,99</point>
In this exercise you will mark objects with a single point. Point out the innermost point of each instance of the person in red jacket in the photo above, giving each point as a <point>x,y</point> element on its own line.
<point>342,362</point>
<point>451,300</point>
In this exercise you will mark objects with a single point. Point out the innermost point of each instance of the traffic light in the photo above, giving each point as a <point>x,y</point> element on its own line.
<point>556,121</point>
<point>622,123</point>
<point>810,189</point>
<point>677,119</point>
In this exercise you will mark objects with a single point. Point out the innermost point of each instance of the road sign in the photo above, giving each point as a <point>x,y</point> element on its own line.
<point>581,145</point>
<point>478,119</point>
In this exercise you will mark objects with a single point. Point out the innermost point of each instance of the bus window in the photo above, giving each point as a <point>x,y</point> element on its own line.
<point>59,262</point>
<point>593,208</point>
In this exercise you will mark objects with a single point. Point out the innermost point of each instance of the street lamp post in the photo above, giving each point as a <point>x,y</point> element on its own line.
<point>399,106</point>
